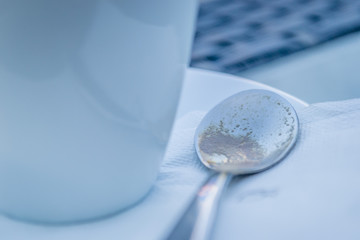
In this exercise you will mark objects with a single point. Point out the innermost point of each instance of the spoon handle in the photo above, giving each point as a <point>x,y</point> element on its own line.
<point>197,221</point>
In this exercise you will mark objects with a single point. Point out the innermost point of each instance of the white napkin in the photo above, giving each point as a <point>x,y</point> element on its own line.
<point>313,194</point>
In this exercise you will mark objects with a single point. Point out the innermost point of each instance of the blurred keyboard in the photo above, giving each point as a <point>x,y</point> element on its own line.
<point>236,35</point>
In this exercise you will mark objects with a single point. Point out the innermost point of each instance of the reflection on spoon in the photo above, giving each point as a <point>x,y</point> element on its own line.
<point>246,133</point>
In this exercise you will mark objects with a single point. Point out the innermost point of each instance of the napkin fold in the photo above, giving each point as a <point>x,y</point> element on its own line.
<point>313,193</point>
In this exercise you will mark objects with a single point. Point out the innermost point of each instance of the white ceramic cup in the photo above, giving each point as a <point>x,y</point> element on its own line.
<point>88,95</point>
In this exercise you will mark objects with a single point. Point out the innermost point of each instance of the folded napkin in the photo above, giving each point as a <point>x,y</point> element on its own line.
<point>313,194</point>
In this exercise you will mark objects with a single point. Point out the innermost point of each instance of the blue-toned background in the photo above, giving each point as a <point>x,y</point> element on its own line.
<point>309,48</point>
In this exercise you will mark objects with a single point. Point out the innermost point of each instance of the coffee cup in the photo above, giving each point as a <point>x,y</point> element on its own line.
<point>88,96</point>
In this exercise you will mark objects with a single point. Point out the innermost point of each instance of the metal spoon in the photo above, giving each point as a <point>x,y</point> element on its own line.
<point>246,133</point>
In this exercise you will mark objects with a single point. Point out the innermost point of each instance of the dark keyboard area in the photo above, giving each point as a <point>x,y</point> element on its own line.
<point>236,35</point>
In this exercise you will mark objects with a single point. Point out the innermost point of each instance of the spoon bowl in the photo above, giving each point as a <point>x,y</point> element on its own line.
<point>246,133</point>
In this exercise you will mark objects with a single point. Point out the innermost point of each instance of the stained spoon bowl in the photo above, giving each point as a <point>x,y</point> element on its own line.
<point>247,132</point>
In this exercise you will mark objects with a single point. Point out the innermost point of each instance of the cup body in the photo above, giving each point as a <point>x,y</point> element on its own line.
<point>88,95</point>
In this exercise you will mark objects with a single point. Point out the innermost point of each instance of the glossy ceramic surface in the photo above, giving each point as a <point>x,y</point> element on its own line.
<point>125,225</point>
<point>88,95</point>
